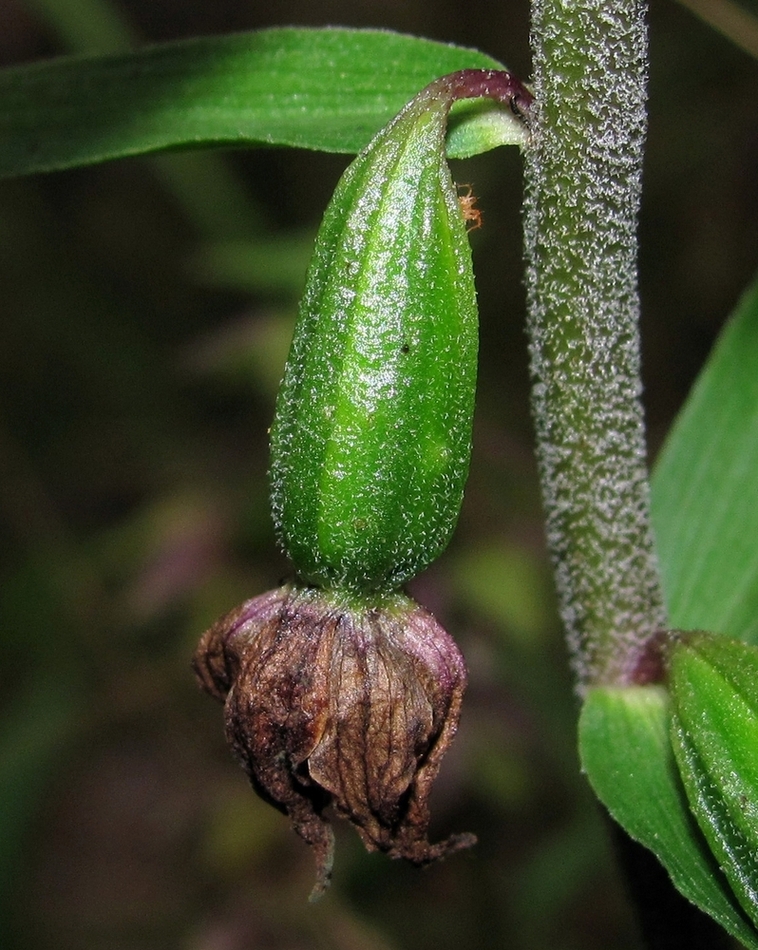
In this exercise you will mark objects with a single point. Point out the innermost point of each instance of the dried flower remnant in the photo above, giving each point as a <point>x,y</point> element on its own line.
<point>349,705</point>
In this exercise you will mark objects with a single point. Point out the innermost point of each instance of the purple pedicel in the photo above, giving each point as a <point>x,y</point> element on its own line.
<point>496,84</point>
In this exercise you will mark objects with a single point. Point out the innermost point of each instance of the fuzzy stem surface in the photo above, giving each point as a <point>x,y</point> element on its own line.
<point>583,182</point>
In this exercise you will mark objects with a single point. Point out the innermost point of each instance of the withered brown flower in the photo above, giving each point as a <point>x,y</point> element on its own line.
<point>336,702</point>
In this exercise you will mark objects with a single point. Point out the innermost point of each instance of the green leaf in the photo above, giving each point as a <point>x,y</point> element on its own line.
<point>714,689</point>
<point>705,490</point>
<point>325,89</point>
<point>626,752</point>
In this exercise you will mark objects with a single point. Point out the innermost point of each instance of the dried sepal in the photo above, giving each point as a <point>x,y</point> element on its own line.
<point>341,704</point>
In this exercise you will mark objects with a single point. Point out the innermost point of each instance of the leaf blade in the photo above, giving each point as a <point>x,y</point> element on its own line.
<point>705,493</point>
<point>626,752</point>
<point>326,89</point>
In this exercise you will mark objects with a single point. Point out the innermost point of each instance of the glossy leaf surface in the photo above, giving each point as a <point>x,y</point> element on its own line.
<point>714,688</point>
<point>324,89</point>
<point>626,752</point>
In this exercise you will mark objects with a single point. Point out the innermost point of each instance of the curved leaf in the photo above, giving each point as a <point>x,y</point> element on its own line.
<point>324,89</point>
<point>705,490</point>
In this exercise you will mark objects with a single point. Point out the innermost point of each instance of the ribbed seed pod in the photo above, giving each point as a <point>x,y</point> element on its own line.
<point>371,440</point>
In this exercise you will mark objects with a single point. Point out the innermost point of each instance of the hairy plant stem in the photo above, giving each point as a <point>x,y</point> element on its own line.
<point>583,178</point>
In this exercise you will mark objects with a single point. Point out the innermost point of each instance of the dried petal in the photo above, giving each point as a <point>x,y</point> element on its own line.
<point>330,703</point>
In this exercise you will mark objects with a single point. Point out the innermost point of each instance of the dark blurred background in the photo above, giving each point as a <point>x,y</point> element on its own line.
<point>145,313</point>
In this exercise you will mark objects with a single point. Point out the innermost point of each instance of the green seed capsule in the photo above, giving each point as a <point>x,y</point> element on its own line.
<point>371,439</point>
